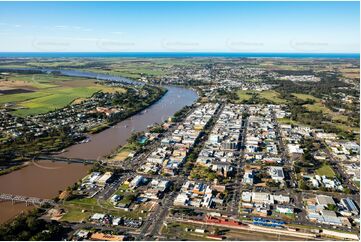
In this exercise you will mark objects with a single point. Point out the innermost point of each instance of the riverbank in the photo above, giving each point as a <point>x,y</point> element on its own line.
<point>72,129</point>
<point>13,168</point>
<point>45,179</point>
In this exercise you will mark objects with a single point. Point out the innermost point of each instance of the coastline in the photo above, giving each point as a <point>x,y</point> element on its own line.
<point>178,55</point>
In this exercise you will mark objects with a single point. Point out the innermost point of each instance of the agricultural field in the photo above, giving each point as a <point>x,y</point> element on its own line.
<point>42,93</point>
<point>353,73</point>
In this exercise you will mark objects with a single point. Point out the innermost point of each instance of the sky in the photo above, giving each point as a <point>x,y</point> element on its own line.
<point>301,27</point>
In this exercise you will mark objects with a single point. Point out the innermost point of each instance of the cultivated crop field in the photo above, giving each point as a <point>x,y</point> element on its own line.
<point>46,92</point>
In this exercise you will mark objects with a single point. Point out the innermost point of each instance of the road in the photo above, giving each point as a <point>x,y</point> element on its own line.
<point>152,226</point>
<point>234,205</point>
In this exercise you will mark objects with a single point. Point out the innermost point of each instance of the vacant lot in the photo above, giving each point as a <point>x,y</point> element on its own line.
<point>325,170</point>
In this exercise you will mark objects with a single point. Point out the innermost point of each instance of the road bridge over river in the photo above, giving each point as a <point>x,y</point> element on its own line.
<point>65,159</point>
<point>24,199</point>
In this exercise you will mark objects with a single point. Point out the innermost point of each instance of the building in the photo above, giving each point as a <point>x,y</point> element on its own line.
<point>98,216</point>
<point>246,196</point>
<point>248,177</point>
<point>330,217</point>
<point>324,200</point>
<point>181,200</point>
<point>136,182</point>
<point>104,179</point>
<point>350,206</point>
<point>262,198</point>
<point>284,209</point>
<point>294,149</point>
<point>276,173</point>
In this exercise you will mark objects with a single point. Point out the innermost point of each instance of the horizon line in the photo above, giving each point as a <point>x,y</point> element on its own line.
<point>186,52</point>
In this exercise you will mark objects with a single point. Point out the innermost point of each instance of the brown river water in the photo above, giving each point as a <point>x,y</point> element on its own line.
<point>44,179</point>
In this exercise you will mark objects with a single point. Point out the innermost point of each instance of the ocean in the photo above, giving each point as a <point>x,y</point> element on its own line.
<point>174,55</point>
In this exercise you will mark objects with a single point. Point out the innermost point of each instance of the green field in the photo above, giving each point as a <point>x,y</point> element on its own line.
<point>325,170</point>
<point>287,121</point>
<point>305,97</point>
<point>76,216</point>
<point>270,95</point>
<point>53,101</point>
<point>244,95</point>
<point>339,120</point>
<point>49,92</point>
<point>92,205</point>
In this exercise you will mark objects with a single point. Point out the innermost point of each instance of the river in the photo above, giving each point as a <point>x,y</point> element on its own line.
<point>45,179</point>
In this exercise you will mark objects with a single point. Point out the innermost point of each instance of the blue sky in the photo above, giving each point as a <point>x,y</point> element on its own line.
<point>323,27</point>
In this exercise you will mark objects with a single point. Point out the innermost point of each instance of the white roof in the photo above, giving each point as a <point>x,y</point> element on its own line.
<point>98,216</point>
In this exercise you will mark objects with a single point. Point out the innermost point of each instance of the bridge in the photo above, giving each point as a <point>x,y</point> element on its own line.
<point>65,159</point>
<point>25,199</point>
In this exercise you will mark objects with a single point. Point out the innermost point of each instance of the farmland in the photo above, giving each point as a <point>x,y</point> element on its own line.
<point>47,92</point>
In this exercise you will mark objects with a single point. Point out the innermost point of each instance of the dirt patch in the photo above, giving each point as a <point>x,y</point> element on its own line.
<point>75,83</point>
<point>78,100</point>
<point>5,85</point>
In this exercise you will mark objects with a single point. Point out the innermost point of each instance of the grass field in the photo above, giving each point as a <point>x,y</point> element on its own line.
<point>49,92</point>
<point>91,206</point>
<point>270,95</point>
<point>325,170</point>
<point>287,121</point>
<point>75,216</point>
<point>122,153</point>
<point>339,120</point>
<point>305,97</point>
<point>53,101</point>
<point>244,95</point>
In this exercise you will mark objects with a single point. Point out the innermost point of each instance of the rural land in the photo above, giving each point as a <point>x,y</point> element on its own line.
<point>179,148</point>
